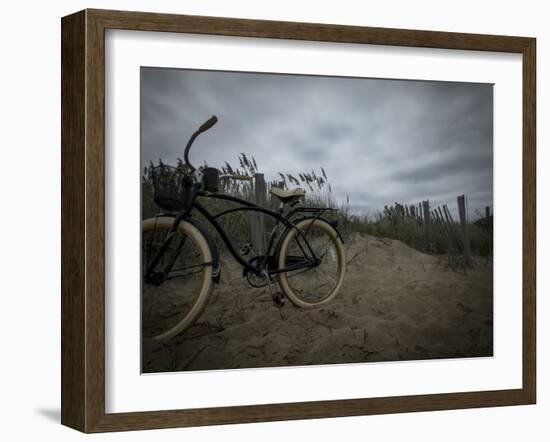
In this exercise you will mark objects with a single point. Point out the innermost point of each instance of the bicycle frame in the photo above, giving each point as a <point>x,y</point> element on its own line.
<point>251,207</point>
<point>247,206</point>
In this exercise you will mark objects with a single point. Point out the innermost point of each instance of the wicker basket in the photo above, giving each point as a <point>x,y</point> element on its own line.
<point>171,187</point>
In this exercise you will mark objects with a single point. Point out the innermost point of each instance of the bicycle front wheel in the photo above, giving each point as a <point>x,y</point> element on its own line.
<point>171,303</point>
<point>312,239</point>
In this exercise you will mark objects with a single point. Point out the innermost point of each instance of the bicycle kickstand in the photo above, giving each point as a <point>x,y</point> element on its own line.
<point>277,297</point>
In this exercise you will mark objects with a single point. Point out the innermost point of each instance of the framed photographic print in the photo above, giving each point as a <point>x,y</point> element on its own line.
<point>270,220</point>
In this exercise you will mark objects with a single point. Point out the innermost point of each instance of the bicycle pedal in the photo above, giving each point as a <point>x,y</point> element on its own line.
<point>278,299</point>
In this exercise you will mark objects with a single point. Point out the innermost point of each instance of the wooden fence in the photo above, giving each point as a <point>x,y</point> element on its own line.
<point>433,228</point>
<point>422,226</point>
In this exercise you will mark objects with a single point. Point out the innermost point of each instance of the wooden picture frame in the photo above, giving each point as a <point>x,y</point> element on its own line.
<point>83,220</point>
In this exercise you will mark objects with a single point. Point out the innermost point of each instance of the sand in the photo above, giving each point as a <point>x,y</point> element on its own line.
<point>396,303</point>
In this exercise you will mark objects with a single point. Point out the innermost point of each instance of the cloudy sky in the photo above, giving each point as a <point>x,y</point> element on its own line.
<point>380,141</point>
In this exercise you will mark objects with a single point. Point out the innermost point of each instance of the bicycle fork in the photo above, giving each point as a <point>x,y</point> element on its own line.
<point>152,277</point>
<point>156,278</point>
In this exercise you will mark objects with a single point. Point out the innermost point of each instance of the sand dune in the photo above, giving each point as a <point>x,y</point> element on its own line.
<point>396,304</point>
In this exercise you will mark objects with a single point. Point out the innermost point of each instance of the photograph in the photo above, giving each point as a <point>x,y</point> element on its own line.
<point>292,220</point>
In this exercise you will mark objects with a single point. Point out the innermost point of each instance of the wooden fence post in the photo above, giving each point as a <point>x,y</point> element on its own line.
<point>399,220</point>
<point>464,225</point>
<point>426,210</point>
<point>452,227</point>
<point>487,212</point>
<point>257,220</point>
<point>445,229</point>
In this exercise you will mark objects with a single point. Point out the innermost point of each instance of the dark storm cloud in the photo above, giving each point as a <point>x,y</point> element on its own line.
<point>380,141</point>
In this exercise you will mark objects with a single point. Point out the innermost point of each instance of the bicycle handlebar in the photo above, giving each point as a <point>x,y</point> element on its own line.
<point>208,124</point>
<point>203,128</point>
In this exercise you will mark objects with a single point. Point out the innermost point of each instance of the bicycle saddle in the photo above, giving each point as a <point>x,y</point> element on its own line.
<point>287,195</point>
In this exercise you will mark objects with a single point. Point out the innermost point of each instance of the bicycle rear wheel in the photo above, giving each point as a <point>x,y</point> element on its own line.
<point>171,305</point>
<point>312,238</point>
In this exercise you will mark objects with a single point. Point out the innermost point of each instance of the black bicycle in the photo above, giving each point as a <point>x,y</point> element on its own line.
<point>304,255</point>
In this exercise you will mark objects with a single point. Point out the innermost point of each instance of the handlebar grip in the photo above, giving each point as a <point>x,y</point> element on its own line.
<point>208,124</point>
<point>241,177</point>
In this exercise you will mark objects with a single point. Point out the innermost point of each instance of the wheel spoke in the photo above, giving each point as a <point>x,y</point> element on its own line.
<point>177,282</point>
<point>314,287</point>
